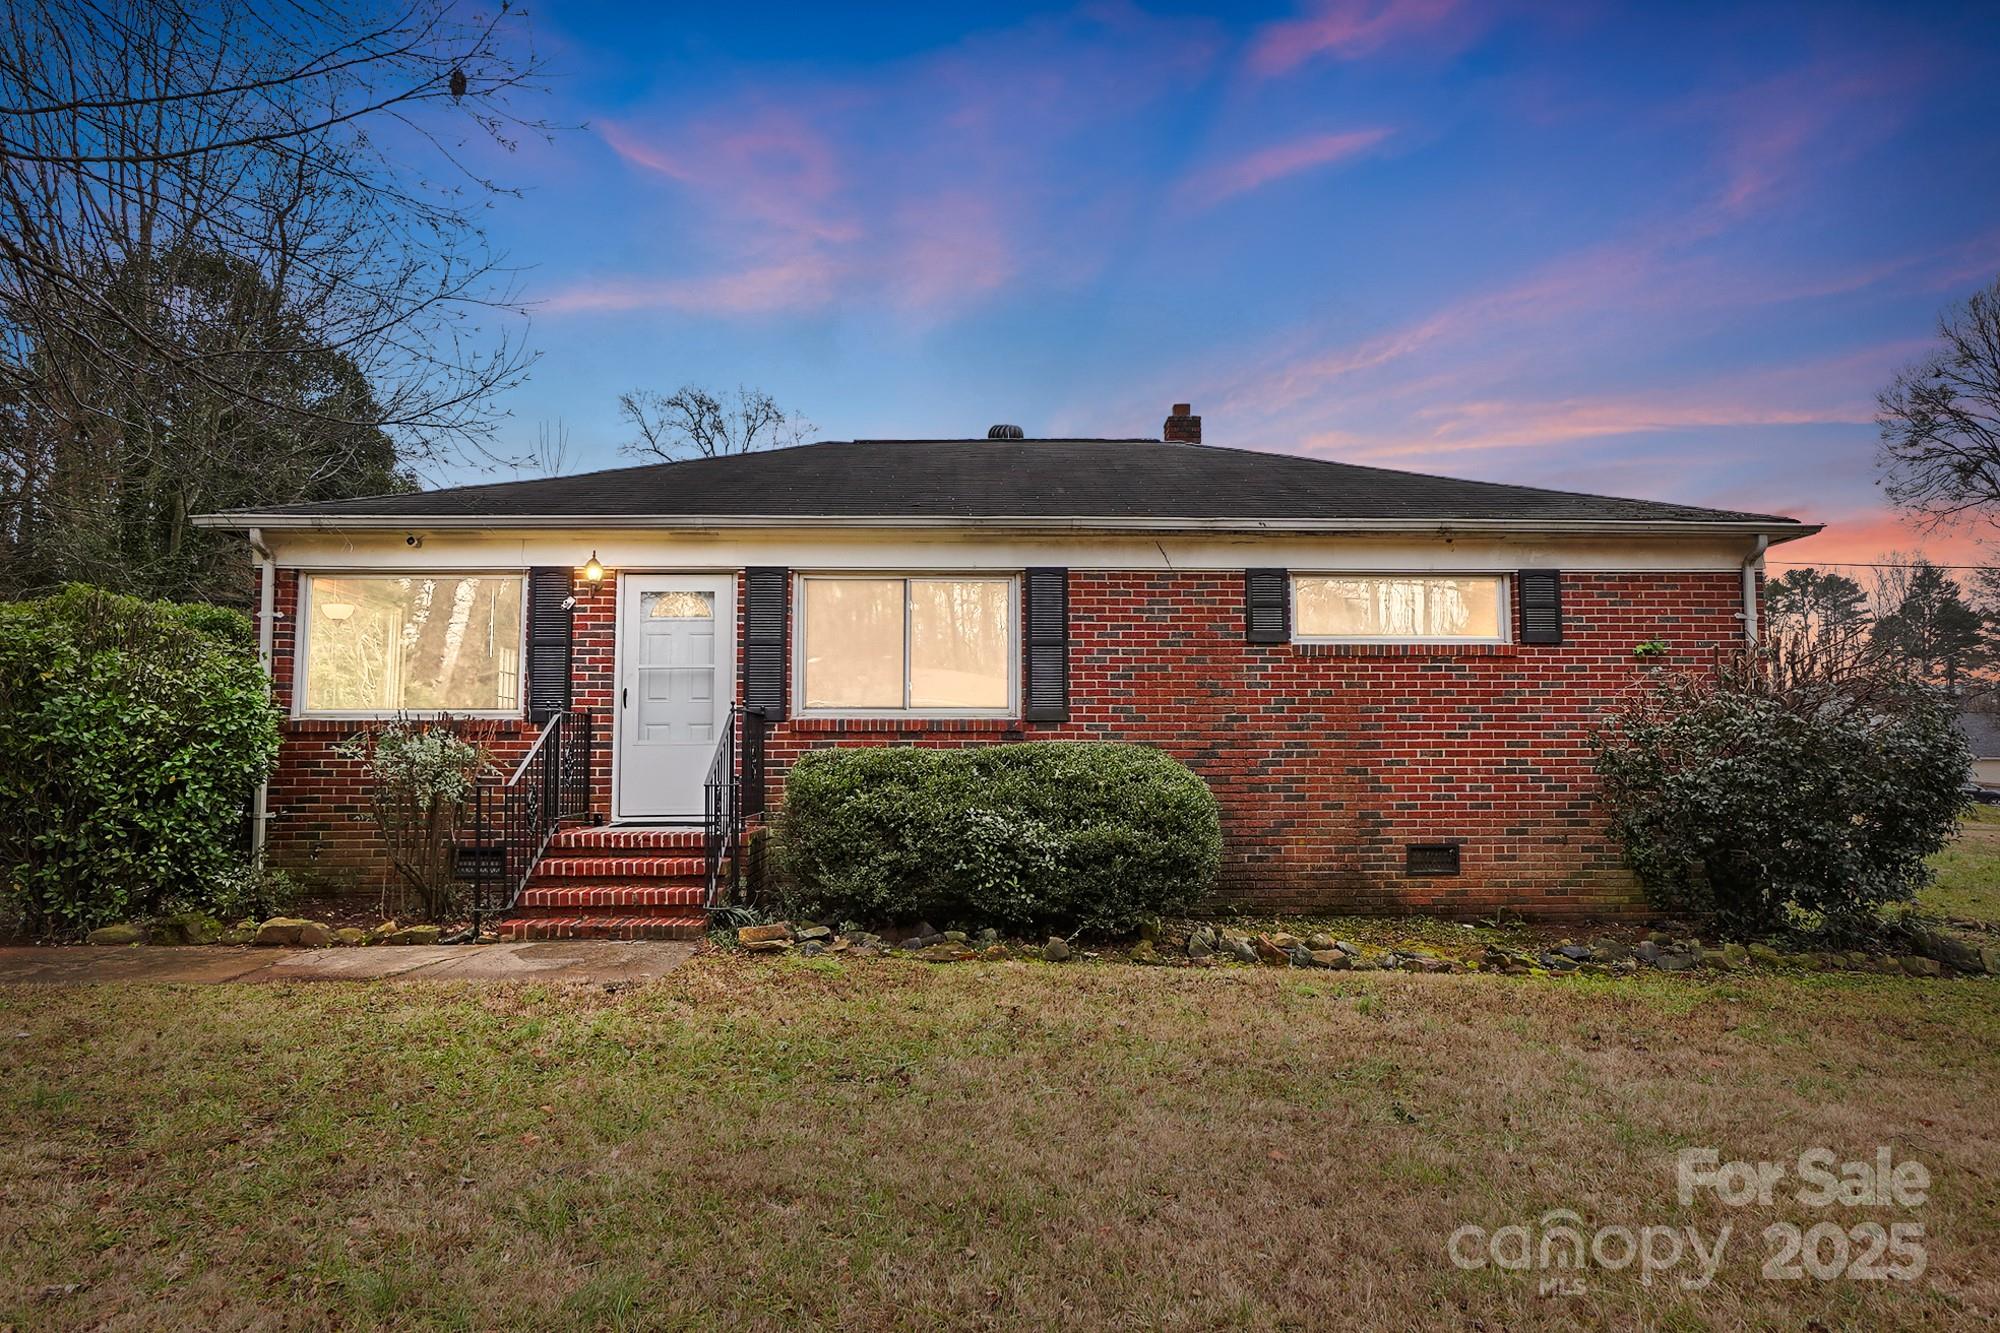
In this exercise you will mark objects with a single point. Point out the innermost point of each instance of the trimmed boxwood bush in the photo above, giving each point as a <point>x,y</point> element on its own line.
<point>1067,834</point>
<point>132,736</point>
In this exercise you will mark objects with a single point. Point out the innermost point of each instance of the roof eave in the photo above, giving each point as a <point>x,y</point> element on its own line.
<point>243,521</point>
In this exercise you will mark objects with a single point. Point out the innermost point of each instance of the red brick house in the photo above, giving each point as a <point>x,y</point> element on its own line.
<point>1388,679</point>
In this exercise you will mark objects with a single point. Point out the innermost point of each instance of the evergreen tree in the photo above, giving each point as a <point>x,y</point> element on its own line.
<point>1818,605</point>
<point>1935,630</point>
<point>104,486</point>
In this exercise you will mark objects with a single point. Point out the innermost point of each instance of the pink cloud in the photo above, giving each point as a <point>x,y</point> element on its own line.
<point>1587,300</point>
<point>956,247</point>
<point>1345,30</point>
<point>1975,261</point>
<point>1613,278</point>
<point>766,166</point>
<point>914,189</point>
<point>1480,426</point>
<point>1277,161</point>
<point>799,282</point>
<point>1823,391</point>
<point>1780,135</point>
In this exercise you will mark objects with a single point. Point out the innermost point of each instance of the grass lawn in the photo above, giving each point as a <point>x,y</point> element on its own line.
<point>889,1144</point>
<point>1968,872</point>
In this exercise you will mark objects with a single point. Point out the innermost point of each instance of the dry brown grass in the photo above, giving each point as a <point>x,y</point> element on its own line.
<point>886,1144</point>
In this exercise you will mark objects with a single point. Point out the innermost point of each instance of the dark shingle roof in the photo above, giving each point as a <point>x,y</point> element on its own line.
<point>945,479</point>
<point>1982,732</point>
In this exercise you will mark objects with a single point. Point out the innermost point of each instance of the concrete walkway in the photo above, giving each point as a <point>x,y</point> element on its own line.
<point>549,960</point>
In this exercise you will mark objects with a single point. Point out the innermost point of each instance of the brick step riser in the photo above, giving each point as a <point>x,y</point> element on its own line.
<point>613,899</point>
<point>624,868</point>
<point>612,842</point>
<point>603,928</point>
<point>607,883</point>
<point>596,916</point>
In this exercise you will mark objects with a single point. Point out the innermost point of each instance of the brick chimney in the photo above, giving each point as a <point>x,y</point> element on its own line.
<point>1182,427</point>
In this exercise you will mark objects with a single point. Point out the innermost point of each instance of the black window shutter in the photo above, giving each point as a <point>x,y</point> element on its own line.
<point>1541,605</point>
<point>1047,692</point>
<point>1267,606</point>
<point>766,592</point>
<point>549,638</point>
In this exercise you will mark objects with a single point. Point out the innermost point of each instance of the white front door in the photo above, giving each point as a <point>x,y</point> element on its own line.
<point>676,678</point>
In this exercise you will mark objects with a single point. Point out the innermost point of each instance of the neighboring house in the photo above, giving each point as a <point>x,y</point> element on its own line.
<point>1388,679</point>
<point>1981,727</point>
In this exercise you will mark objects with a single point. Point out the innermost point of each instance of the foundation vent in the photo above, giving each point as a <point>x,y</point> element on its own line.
<point>1430,858</point>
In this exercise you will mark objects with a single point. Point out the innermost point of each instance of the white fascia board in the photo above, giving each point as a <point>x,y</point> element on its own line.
<point>964,549</point>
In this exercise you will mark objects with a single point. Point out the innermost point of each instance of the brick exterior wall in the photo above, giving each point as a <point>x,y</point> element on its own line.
<point>1326,760</point>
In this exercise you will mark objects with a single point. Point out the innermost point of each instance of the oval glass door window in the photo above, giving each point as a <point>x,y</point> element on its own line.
<point>680,605</point>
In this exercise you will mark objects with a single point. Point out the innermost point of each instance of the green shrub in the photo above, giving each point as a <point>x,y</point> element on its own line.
<point>1768,787</point>
<point>132,736</point>
<point>251,892</point>
<point>1076,835</point>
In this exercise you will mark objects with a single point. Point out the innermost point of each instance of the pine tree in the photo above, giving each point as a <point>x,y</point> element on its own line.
<point>1935,630</point>
<point>1818,605</point>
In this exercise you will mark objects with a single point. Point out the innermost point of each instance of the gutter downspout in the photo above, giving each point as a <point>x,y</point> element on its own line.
<point>267,606</point>
<point>1751,564</point>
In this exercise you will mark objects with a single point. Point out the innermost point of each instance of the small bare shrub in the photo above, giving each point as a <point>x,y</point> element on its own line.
<point>421,778</point>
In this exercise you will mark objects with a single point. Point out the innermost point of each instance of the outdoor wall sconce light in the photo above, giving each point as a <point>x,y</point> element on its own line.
<point>593,571</point>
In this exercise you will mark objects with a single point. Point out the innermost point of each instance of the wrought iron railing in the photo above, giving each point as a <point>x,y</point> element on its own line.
<point>514,818</point>
<point>733,791</point>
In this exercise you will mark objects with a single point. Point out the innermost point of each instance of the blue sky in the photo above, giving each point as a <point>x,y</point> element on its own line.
<point>1659,250</point>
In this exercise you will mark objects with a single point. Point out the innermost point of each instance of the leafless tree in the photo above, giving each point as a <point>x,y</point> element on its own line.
<point>225,219</point>
<point>1892,574</point>
<point>694,423</point>
<point>1940,419</point>
<point>550,457</point>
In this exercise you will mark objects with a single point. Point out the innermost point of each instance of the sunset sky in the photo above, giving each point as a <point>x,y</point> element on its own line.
<point>1655,250</point>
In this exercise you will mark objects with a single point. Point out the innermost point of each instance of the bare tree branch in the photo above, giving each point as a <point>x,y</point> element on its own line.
<point>234,225</point>
<point>1940,420</point>
<point>693,423</point>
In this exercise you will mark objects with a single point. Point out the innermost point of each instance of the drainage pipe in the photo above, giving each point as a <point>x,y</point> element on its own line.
<point>1751,564</point>
<point>267,608</point>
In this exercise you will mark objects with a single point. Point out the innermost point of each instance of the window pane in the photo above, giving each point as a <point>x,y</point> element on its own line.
<point>958,643</point>
<point>853,643</point>
<point>1399,607</point>
<point>679,605</point>
<point>380,644</point>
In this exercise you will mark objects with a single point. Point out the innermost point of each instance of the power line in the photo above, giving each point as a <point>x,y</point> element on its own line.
<point>1856,564</point>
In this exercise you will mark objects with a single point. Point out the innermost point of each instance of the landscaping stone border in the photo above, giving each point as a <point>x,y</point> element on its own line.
<point>282,932</point>
<point>1933,953</point>
<point>1930,952</point>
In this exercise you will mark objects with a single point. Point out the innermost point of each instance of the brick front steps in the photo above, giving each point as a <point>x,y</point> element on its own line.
<point>689,926</point>
<point>615,883</point>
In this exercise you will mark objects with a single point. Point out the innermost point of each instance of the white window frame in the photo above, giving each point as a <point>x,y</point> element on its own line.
<point>1012,708</point>
<point>302,631</point>
<point>1506,581</point>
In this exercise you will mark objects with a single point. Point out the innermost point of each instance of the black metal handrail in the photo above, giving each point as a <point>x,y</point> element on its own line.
<point>513,819</point>
<point>733,791</point>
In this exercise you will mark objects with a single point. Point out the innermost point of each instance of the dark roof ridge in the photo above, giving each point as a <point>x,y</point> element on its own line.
<point>984,480</point>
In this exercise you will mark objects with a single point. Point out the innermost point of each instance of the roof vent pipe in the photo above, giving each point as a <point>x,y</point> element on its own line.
<point>1005,432</point>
